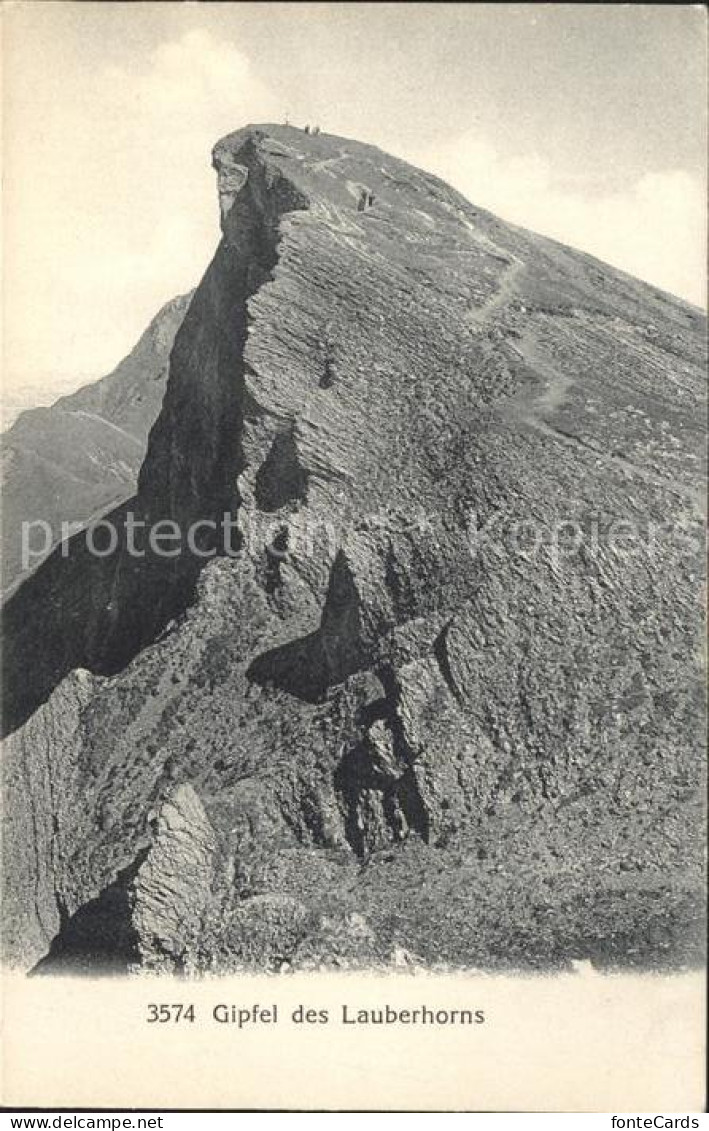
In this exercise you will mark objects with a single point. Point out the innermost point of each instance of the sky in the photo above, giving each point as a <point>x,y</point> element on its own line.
<point>583,122</point>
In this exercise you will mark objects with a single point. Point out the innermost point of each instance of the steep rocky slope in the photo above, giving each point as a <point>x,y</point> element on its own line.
<point>435,699</point>
<point>81,456</point>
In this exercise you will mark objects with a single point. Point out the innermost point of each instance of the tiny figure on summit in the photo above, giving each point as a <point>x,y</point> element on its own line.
<point>366,200</point>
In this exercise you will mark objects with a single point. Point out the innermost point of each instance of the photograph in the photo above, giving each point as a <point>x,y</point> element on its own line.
<point>353,512</point>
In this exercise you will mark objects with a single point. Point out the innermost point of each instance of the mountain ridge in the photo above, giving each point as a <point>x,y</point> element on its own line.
<point>390,717</point>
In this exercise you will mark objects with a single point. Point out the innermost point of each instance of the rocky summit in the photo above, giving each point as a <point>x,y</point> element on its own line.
<point>438,696</point>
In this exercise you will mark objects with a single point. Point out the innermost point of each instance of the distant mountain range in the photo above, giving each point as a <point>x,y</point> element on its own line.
<point>22,398</point>
<point>79,457</point>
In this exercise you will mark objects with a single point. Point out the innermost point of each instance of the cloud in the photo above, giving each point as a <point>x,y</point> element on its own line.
<point>163,212</point>
<point>196,80</point>
<point>112,205</point>
<point>655,229</point>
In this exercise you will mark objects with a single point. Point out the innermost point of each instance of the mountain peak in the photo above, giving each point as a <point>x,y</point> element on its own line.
<point>426,646</point>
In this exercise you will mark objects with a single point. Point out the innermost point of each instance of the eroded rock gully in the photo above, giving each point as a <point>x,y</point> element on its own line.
<point>402,712</point>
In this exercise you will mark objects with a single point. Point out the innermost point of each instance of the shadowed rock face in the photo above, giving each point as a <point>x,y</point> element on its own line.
<point>438,696</point>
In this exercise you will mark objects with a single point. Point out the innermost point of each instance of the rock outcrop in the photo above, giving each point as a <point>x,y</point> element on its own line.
<point>442,689</point>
